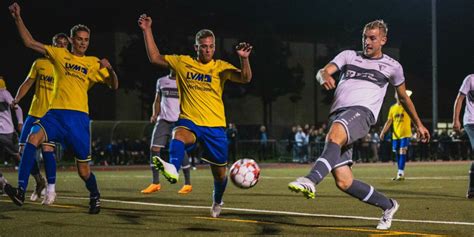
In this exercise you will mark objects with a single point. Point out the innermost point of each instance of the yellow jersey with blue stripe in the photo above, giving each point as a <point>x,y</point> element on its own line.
<point>73,76</point>
<point>200,88</point>
<point>401,122</point>
<point>42,73</point>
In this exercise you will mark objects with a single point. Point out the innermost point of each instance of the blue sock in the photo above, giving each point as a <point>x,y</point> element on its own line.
<point>91,185</point>
<point>26,164</point>
<point>35,168</point>
<point>176,153</point>
<point>219,189</point>
<point>401,161</point>
<point>50,166</point>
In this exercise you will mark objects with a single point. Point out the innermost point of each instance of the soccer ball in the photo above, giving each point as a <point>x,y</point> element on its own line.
<point>244,173</point>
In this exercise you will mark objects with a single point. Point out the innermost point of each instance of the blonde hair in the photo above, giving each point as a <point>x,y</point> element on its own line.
<point>2,83</point>
<point>377,24</point>
<point>79,27</point>
<point>204,33</point>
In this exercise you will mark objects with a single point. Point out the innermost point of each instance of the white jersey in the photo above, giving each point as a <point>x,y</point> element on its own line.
<point>467,89</point>
<point>167,90</point>
<point>364,81</point>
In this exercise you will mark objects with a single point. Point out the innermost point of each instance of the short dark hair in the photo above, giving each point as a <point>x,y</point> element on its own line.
<point>79,27</point>
<point>59,36</point>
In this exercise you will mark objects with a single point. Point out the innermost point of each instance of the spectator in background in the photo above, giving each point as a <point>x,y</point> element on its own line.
<point>8,135</point>
<point>232,136</point>
<point>374,144</point>
<point>263,143</point>
<point>290,148</point>
<point>301,141</point>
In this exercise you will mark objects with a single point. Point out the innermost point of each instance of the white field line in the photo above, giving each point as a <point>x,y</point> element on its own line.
<point>277,212</point>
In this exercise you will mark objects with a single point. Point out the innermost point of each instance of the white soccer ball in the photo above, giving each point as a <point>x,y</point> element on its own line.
<point>244,173</point>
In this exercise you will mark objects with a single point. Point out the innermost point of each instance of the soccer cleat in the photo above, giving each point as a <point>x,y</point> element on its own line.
<point>304,185</point>
<point>216,209</point>
<point>167,169</point>
<point>17,195</point>
<point>399,178</point>
<point>151,188</point>
<point>186,189</point>
<point>94,205</point>
<point>49,198</point>
<point>39,190</point>
<point>386,219</point>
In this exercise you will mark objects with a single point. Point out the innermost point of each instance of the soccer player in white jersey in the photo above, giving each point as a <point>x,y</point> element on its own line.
<point>165,114</point>
<point>357,101</point>
<point>466,91</point>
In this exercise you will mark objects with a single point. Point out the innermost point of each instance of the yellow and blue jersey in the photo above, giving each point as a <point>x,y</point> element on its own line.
<point>73,75</point>
<point>200,88</point>
<point>42,73</point>
<point>401,122</point>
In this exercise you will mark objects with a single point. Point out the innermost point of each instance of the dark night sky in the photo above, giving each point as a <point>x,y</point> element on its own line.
<point>302,20</point>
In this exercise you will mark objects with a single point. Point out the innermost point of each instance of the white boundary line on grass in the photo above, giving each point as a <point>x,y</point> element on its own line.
<point>276,212</point>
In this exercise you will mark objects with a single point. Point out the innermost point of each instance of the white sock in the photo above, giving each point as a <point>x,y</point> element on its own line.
<point>51,188</point>
<point>401,173</point>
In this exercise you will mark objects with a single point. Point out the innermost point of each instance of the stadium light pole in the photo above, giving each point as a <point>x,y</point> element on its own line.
<point>434,65</point>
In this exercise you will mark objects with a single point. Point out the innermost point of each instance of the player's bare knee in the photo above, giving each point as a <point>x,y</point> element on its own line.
<point>403,151</point>
<point>36,136</point>
<point>155,149</point>
<point>83,170</point>
<point>184,135</point>
<point>47,148</point>
<point>337,134</point>
<point>343,184</point>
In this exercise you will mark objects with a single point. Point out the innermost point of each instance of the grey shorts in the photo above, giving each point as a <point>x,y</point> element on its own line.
<point>161,133</point>
<point>9,143</point>
<point>357,121</point>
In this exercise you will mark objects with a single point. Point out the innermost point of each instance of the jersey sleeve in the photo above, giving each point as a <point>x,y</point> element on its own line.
<point>33,72</point>
<point>98,74</point>
<point>390,113</point>
<point>227,70</point>
<point>397,78</point>
<point>173,60</point>
<point>52,52</point>
<point>342,58</point>
<point>158,91</point>
<point>466,85</point>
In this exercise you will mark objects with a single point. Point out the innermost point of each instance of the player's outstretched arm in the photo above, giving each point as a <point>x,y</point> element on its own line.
<point>324,76</point>
<point>144,22</point>
<point>457,111</point>
<point>409,107</point>
<point>244,75</point>
<point>112,81</point>
<point>25,35</point>
<point>24,88</point>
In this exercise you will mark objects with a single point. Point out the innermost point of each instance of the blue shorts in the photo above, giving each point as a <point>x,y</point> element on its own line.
<point>25,131</point>
<point>398,144</point>
<point>213,140</point>
<point>69,127</point>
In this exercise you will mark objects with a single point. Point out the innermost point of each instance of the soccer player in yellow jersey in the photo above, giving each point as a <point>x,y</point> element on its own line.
<point>41,75</point>
<point>200,83</point>
<point>67,120</point>
<point>401,134</point>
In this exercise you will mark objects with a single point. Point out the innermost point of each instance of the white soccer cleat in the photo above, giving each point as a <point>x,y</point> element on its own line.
<point>304,185</point>
<point>49,198</point>
<point>386,220</point>
<point>216,209</point>
<point>39,191</point>
<point>167,169</point>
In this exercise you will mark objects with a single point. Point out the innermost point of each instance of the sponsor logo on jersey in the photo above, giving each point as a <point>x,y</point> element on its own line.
<point>198,77</point>
<point>75,67</point>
